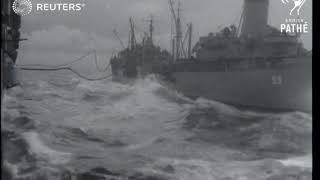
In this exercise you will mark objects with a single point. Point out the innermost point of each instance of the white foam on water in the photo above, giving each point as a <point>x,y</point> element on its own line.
<point>191,169</point>
<point>139,117</point>
<point>197,169</point>
<point>301,161</point>
<point>194,169</point>
<point>224,108</point>
<point>44,152</point>
<point>12,168</point>
<point>134,112</point>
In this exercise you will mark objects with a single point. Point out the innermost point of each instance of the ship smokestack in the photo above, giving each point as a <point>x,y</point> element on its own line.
<point>255,18</point>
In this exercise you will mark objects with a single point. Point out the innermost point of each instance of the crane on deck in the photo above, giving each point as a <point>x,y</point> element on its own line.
<point>117,36</point>
<point>177,42</point>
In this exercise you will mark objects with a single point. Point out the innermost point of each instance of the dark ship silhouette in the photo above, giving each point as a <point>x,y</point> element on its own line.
<point>139,59</point>
<point>10,38</point>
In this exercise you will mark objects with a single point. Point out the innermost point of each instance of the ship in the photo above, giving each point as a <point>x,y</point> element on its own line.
<point>10,38</point>
<point>249,65</point>
<point>138,59</point>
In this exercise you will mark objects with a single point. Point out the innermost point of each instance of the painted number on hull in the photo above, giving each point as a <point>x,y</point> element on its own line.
<point>276,80</point>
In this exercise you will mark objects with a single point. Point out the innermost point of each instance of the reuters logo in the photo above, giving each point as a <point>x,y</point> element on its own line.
<point>22,7</point>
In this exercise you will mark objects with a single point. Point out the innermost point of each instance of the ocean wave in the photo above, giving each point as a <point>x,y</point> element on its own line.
<point>42,151</point>
<point>145,119</point>
<point>265,133</point>
<point>191,169</point>
<point>300,161</point>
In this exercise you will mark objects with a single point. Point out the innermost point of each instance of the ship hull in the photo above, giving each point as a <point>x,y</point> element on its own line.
<point>286,88</point>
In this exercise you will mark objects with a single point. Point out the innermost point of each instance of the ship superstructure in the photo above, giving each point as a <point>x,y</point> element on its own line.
<point>253,38</point>
<point>139,59</point>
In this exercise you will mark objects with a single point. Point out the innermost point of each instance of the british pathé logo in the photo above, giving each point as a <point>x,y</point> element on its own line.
<point>22,7</point>
<point>294,25</point>
<point>297,5</point>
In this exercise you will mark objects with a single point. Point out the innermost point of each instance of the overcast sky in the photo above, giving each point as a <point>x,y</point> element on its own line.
<point>56,37</point>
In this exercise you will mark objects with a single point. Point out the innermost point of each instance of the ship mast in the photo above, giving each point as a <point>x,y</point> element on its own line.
<point>240,24</point>
<point>132,41</point>
<point>119,39</point>
<point>151,28</point>
<point>177,42</point>
<point>189,40</point>
<point>179,33</point>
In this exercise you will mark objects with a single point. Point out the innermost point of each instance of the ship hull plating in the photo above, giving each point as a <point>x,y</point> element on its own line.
<point>286,88</point>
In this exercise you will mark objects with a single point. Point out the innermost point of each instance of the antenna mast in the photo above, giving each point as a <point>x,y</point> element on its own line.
<point>179,33</point>
<point>132,34</point>
<point>189,40</point>
<point>117,36</point>
<point>178,37</point>
<point>151,28</point>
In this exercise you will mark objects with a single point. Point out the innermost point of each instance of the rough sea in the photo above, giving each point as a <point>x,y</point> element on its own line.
<point>56,126</point>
